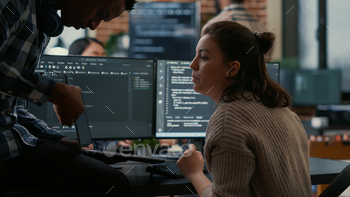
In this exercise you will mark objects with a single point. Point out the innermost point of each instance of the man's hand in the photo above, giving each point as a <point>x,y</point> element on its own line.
<point>67,103</point>
<point>74,144</point>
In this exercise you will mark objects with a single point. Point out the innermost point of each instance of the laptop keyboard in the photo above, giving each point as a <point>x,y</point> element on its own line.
<point>169,170</point>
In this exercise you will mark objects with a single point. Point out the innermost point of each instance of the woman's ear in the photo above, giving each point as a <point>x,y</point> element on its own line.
<point>234,68</point>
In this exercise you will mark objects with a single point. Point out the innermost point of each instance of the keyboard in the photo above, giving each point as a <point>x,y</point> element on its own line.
<point>171,156</point>
<point>169,170</point>
<point>112,157</point>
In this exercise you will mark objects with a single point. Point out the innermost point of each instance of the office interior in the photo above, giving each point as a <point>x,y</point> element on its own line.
<point>301,44</point>
<point>312,48</point>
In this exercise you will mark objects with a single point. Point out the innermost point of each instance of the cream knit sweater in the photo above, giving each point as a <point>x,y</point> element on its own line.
<point>253,150</point>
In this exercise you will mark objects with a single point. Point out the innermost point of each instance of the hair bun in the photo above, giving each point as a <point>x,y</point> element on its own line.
<point>265,40</point>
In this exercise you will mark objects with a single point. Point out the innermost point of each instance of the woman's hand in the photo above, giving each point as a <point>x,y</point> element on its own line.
<point>191,165</point>
<point>191,162</point>
<point>90,147</point>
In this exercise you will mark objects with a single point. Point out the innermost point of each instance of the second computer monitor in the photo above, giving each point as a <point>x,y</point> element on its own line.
<point>181,112</point>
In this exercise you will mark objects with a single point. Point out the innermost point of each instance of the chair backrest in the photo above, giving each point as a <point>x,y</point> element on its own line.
<point>339,184</point>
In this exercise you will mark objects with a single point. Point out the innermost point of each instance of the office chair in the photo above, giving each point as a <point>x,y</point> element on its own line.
<point>339,184</point>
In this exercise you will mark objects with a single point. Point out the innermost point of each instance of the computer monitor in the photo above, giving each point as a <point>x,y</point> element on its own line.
<point>164,30</point>
<point>118,94</point>
<point>182,112</point>
<point>317,87</point>
<point>273,69</point>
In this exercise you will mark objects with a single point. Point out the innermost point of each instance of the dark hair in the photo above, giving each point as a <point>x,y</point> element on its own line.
<point>239,43</point>
<point>237,1</point>
<point>129,5</point>
<point>78,46</point>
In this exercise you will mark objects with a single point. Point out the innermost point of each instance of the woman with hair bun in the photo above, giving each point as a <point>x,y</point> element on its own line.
<point>255,146</point>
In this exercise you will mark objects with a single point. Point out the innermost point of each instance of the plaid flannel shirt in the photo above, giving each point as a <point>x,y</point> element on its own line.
<point>21,46</point>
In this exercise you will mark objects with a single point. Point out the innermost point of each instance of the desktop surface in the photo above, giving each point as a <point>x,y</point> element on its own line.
<point>142,184</point>
<point>322,171</point>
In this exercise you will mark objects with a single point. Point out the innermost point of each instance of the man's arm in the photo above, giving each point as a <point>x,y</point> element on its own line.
<point>11,11</point>
<point>40,129</point>
<point>37,89</point>
<point>35,126</point>
<point>17,80</point>
<point>67,103</point>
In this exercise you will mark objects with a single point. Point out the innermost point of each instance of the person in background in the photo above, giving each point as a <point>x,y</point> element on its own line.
<point>87,47</point>
<point>234,10</point>
<point>34,156</point>
<point>254,146</point>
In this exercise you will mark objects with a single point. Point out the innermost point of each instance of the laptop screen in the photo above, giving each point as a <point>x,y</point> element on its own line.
<point>82,125</point>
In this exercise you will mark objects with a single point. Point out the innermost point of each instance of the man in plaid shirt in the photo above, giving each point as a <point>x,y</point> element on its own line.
<point>32,155</point>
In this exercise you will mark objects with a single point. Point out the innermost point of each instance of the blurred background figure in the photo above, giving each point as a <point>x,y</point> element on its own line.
<point>234,10</point>
<point>87,47</point>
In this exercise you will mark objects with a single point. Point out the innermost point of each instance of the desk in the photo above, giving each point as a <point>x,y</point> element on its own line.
<point>142,184</point>
<point>322,171</point>
<point>345,127</point>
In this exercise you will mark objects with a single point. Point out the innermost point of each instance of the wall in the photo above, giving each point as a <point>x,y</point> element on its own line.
<point>274,21</point>
<point>308,43</point>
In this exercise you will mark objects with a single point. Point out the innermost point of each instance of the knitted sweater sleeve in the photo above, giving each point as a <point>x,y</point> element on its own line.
<point>230,162</point>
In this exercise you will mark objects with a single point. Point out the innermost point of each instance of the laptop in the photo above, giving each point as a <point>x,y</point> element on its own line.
<point>85,141</point>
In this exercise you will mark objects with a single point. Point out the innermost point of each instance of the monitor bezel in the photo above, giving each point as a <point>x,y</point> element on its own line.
<point>155,104</point>
<point>279,71</point>
<point>120,58</point>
